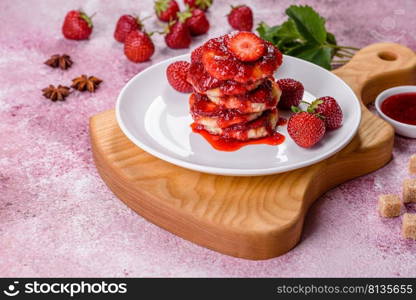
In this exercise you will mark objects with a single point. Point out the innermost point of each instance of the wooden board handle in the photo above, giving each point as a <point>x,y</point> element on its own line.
<point>371,70</point>
<point>378,67</point>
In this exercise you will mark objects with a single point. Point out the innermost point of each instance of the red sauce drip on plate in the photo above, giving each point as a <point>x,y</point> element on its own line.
<point>281,122</point>
<point>229,145</point>
<point>401,107</point>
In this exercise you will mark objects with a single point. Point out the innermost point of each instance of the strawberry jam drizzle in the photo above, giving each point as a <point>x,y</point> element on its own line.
<point>222,64</point>
<point>229,145</point>
<point>281,122</point>
<point>215,67</point>
<point>202,81</point>
<point>401,107</point>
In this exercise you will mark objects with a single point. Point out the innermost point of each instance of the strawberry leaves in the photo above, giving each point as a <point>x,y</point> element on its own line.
<point>310,108</point>
<point>309,24</point>
<point>317,54</point>
<point>314,105</point>
<point>86,18</point>
<point>304,35</point>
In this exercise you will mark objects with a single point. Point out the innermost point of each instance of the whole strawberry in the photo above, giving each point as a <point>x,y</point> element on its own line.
<point>125,25</point>
<point>292,93</point>
<point>306,129</point>
<point>201,4</point>
<point>198,23</point>
<point>329,108</point>
<point>178,36</point>
<point>77,25</point>
<point>176,74</point>
<point>241,18</point>
<point>196,20</point>
<point>138,46</point>
<point>166,10</point>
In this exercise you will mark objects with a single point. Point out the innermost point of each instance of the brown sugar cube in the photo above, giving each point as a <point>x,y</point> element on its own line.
<point>409,190</point>
<point>412,164</point>
<point>409,226</point>
<point>389,206</point>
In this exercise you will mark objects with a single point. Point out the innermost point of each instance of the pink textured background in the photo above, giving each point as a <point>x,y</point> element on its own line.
<point>57,218</point>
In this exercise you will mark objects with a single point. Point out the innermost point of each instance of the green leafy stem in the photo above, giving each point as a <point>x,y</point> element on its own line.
<point>304,35</point>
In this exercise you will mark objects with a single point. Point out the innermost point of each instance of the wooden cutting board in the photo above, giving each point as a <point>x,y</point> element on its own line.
<point>251,217</point>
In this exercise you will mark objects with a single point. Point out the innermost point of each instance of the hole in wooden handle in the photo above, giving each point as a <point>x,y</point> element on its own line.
<point>387,55</point>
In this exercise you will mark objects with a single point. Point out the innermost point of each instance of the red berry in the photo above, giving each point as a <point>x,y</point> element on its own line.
<point>246,46</point>
<point>125,25</point>
<point>166,10</point>
<point>196,55</point>
<point>331,111</point>
<point>241,18</point>
<point>292,92</point>
<point>138,46</point>
<point>178,36</point>
<point>197,23</point>
<point>77,25</point>
<point>176,74</point>
<point>201,4</point>
<point>219,66</point>
<point>306,129</point>
<point>221,63</point>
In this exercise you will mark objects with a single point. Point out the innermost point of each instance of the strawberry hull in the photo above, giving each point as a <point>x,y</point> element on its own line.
<point>77,26</point>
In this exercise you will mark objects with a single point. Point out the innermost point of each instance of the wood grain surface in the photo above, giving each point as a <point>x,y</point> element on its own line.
<point>251,217</point>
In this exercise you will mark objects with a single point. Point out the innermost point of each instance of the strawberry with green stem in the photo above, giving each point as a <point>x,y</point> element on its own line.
<point>166,10</point>
<point>178,35</point>
<point>196,21</point>
<point>77,25</point>
<point>326,108</point>
<point>329,108</point>
<point>306,129</point>
<point>126,24</point>
<point>241,18</point>
<point>201,4</point>
<point>138,46</point>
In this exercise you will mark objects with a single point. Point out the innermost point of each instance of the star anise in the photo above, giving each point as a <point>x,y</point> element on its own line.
<point>56,93</point>
<point>59,61</point>
<point>84,83</point>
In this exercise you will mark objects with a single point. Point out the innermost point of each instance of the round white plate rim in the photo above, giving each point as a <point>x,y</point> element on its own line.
<point>228,171</point>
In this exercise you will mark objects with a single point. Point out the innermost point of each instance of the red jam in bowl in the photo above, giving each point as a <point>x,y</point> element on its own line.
<point>401,107</point>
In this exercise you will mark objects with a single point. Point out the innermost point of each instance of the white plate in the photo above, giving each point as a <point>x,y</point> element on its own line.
<point>156,118</point>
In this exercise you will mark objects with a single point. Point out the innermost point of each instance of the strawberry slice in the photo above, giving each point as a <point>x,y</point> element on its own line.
<point>176,74</point>
<point>246,46</point>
